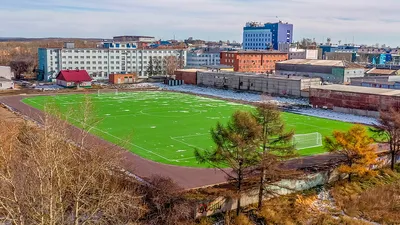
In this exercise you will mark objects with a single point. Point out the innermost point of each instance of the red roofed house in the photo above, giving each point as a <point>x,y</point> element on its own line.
<point>74,78</point>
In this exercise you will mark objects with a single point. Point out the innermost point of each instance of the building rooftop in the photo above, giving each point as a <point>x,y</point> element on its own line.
<point>316,62</point>
<point>190,70</point>
<point>358,89</point>
<point>381,71</point>
<point>221,66</point>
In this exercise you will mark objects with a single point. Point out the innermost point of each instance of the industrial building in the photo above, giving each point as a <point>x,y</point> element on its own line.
<point>335,71</point>
<point>364,101</point>
<point>388,82</point>
<point>251,61</point>
<point>103,61</point>
<point>275,85</point>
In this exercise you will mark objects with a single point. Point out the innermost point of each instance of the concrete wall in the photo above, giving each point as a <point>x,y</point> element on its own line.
<point>324,76</point>
<point>283,187</point>
<point>5,72</point>
<point>260,83</point>
<point>6,85</point>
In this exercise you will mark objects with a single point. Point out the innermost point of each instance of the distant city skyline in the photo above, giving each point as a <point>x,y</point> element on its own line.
<point>368,22</point>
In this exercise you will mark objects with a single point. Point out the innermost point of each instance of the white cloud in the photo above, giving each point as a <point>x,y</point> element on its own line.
<point>368,21</point>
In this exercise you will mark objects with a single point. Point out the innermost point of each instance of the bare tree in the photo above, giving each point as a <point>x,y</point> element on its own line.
<point>157,66</point>
<point>20,65</point>
<point>47,180</point>
<point>166,203</point>
<point>172,63</point>
<point>388,129</point>
<point>237,146</point>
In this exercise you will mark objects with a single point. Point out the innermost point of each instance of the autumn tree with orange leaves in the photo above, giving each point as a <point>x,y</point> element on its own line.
<point>356,146</point>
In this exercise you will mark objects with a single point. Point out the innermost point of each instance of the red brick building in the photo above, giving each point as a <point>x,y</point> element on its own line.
<point>252,61</point>
<point>354,99</point>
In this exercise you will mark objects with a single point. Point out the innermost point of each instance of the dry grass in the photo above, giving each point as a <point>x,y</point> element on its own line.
<point>375,199</point>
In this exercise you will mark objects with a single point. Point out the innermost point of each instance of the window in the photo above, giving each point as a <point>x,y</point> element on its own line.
<point>99,57</point>
<point>99,67</point>
<point>99,62</point>
<point>88,57</point>
<point>112,67</point>
<point>70,57</point>
<point>93,68</point>
<point>87,62</point>
<point>75,57</point>
<point>76,62</point>
<point>82,62</point>
<point>117,51</point>
<point>94,62</point>
<point>70,62</point>
<point>105,57</point>
<point>105,62</point>
<point>117,62</point>
<point>105,67</point>
<point>88,67</point>
<point>82,67</point>
<point>82,57</point>
<point>70,68</point>
<point>64,57</point>
<point>111,57</point>
<point>117,57</point>
<point>112,62</point>
<point>93,57</point>
<point>87,51</point>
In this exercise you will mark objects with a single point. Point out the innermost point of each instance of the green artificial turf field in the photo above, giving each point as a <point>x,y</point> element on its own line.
<point>166,127</point>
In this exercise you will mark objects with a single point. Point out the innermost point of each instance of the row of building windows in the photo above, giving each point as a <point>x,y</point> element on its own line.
<point>255,44</point>
<point>258,61</point>
<point>100,62</point>
<point>257,35</point>
<point>106,51</point>
<point>257,39</point>
<point>96,68</point>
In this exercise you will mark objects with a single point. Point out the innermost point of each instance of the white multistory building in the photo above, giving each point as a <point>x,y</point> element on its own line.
<point>110,58</point>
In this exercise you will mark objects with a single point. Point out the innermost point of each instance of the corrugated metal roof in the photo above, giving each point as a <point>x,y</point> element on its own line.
<point>316,62</point>
<point>382,71</point>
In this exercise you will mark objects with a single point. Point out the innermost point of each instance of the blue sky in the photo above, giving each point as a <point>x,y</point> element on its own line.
<point>368,21</point>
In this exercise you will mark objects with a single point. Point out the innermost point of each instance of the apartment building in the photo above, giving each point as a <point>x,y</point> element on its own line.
<point>203,57</point>
<point>252,61</point>
<point>109,58</point>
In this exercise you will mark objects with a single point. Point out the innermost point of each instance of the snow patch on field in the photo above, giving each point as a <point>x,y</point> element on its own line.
<point>256,97</point>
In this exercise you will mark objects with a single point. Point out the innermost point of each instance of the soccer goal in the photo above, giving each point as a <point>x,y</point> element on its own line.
<point>304,141</point>
<point>110,92</point>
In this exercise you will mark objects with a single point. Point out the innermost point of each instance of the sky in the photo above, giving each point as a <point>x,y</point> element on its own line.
<point>365,21</point>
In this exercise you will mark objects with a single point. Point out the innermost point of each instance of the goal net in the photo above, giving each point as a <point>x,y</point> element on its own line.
<point>304,141</point>
<point>108,92</point>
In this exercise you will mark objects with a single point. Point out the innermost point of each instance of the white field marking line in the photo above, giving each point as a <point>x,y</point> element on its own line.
<point>190,145</point>
<point>193,135</point>
<point>92,127</point>
<point>312,126</point>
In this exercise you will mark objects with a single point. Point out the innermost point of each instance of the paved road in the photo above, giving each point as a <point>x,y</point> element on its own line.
<point>185,177</point>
